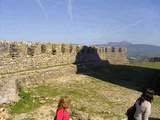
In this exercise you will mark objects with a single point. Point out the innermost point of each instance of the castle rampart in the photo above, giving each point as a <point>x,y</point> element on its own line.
<point>21,57</point>
<point>32,63</point>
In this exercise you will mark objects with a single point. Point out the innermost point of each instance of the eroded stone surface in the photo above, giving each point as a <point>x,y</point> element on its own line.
<point>3,113</point>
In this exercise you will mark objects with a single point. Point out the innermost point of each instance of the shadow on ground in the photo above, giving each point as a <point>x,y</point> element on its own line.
<point>89,63</point>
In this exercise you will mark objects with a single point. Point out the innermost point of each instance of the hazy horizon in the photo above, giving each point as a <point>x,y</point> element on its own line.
<point>81,21</point>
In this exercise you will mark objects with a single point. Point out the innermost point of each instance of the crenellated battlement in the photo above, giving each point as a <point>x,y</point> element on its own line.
<point>21,49</point>
<point>21,56</point>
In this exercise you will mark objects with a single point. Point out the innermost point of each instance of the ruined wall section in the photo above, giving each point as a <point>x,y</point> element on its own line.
<point>11,84</point>
<point>20,57</point>
<point>23,57</point>
<point>4,47</point>
<point>116,55</point>
<point>8,89</point>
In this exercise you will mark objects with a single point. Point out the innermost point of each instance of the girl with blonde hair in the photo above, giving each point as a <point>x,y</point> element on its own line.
<point>62,112</point>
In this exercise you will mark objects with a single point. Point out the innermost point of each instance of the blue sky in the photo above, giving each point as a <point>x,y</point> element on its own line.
<point>81,21</point>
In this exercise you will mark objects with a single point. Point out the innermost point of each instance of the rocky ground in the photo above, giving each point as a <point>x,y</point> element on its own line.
<point>92,99</point>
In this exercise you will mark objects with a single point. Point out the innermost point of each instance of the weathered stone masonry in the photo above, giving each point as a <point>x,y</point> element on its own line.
<point>29,64</point>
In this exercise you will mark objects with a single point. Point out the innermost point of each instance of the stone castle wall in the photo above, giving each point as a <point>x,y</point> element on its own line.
<point>17,57</point>
<point>24,64</point>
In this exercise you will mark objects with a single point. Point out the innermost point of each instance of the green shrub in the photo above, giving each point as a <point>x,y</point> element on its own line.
<point>26,104</point>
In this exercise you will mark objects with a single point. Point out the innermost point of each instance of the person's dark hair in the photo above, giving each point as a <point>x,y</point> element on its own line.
<point>147,95</point>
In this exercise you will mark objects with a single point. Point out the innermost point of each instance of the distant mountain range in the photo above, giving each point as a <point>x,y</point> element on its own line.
<point>136,50</point>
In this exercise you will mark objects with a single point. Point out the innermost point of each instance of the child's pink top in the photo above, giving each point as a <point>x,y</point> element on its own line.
<point>62,115</point>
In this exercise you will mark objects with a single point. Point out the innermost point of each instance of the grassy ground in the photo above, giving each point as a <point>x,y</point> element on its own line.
<point>26,104</point>
<point>148,65</point>
<point>90,96</point>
